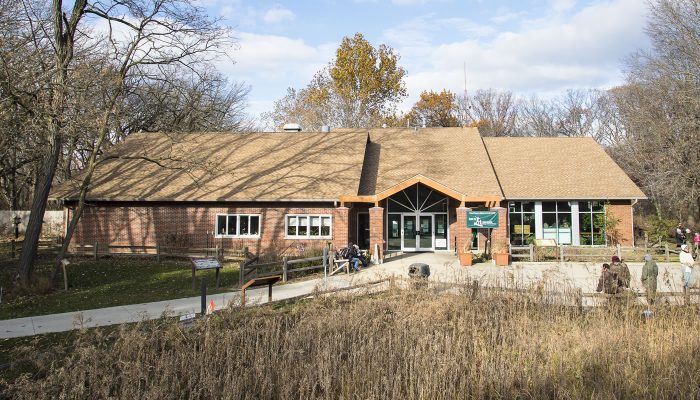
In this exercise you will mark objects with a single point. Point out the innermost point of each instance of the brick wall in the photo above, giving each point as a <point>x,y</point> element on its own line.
<point>460,230</point>
<point>342,224</point>
<point>622,211</point>
<point>186,225</point>
<point>376,230</point>
<point>500,234</point>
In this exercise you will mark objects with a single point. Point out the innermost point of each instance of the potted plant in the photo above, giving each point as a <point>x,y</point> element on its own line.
<point>465,255</point>
<point>500,252</point>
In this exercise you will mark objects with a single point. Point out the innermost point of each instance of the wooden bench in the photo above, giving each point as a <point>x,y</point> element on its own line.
<point>339,264</point>
<point>263,281</point>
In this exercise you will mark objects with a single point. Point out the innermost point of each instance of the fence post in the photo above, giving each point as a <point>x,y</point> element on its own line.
<point>12,248</point>
<point>561,253</point>
<point>216,252</point>
<point>95,249</point>
<point>284,269</point>
<point>668,258</point>
<point>619,252</point>
<point>203,295</point>
<point>241,270</point>
<point>325,261</point>
<point>646,242</point>
<point>157,252</point>
<point>532,250</point>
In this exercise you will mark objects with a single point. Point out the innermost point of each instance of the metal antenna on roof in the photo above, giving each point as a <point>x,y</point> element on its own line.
<point>465,105</point>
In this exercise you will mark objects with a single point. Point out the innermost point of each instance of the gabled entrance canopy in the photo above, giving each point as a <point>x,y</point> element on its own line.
<point>489,201</point>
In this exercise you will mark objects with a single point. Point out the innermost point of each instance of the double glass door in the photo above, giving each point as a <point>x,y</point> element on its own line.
<point>417,232</point>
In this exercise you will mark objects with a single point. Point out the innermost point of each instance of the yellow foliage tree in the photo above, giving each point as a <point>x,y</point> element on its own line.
<point>356,90</point>
<point>434,109</point>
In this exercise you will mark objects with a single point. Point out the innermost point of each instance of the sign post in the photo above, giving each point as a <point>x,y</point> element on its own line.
<point>205,263</point>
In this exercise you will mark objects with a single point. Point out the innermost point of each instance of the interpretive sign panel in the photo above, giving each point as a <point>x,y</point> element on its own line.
<point>482,219</point>
<point>205,263</point>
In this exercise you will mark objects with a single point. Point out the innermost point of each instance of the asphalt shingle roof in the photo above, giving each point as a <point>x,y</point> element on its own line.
<point>558,168</point>
<point>300,166</point>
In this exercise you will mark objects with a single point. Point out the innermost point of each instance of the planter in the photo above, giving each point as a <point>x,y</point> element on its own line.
<point>502,259</point>
<point>465,259</point>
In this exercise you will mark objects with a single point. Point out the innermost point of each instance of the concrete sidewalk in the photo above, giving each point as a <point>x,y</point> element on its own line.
<point>444,268</point>
<point>29,326</point>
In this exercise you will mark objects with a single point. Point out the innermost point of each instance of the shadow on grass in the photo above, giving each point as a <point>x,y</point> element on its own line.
<point>114,282</point>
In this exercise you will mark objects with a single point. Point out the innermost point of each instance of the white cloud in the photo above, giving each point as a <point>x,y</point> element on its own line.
<point>272,63</point>
<point>505,14</point>
<point>584,50</point>
<point>277,14</point>
<point>562,5</point>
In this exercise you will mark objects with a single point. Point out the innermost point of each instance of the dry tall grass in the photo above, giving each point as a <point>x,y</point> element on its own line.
<point>401,344</point>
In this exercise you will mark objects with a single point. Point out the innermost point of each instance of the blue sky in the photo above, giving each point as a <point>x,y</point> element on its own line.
<point>528,47</point>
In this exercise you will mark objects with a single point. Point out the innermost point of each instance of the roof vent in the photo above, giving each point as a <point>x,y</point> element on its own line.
<point>291,128</point>
<point>325,129</point>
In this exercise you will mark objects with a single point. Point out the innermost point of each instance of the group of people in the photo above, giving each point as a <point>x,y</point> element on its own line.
<point>615,277</point>
<point>683,236</point>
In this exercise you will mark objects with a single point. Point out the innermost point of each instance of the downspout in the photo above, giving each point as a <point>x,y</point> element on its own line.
<point>634,201</point>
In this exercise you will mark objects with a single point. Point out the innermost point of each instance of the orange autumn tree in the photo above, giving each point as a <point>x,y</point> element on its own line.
<point>436,109</point>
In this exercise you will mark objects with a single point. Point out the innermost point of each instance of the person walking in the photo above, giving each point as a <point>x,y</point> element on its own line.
<point>650,271</point>
<point>696,240</point>
<point>680,236</point>
<point>607,283</point>
<point>687,261</point>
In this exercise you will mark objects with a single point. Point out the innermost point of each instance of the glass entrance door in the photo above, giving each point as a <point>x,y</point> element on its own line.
<point>409,232</point>
<point>417,232</point>
<point>425,232</point>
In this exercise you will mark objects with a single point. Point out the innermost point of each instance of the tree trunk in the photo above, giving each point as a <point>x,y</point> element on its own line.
<point>64,30</point>
<point>36,216</point>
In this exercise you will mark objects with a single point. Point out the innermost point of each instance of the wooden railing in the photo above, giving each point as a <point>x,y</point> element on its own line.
<point>13,248</point>
<point>591,253</point>
<point>252,268</point>
<point>97,250</point>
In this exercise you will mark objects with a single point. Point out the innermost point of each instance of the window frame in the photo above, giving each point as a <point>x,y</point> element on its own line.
<point>238,225</point>
<point>592,212</point>
<point>308,234</point>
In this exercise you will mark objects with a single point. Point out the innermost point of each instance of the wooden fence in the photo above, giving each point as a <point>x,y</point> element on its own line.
<point>12,249</point>
<point>252,268</point>
<point>666,253</point>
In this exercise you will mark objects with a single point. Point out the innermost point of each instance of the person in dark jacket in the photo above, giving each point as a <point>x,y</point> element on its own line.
<point>607,283</point>
<point>354,256</point>
<point>650,271</point>
<point>622,271</point>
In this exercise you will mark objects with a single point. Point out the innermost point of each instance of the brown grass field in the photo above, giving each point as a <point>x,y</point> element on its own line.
<point>399,344</point>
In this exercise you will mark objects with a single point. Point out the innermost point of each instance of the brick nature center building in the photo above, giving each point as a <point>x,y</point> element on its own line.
<point>385,189</point>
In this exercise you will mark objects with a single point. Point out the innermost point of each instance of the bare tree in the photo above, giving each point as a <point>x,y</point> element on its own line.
<point>161,34</point>
<point>659,108</point>
<point>494,113</point>
<point>155,54</point>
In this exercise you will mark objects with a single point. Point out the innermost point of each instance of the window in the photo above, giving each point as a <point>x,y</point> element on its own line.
<point>591,223</point>
<point>237,225</point>
<point>308,226</point>
<point>521,217</point>
<point>556,221</point>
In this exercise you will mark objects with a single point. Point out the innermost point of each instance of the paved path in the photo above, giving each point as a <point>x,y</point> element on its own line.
<point>444,267</point>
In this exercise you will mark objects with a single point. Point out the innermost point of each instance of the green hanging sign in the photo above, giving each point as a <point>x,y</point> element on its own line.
<point>482,219</point>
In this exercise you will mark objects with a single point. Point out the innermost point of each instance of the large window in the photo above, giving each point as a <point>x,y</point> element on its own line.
<point>237,225</point>
<point>556,221</point>
<point>591,223</point>
<point>308,226</point>
<point>521,215</point>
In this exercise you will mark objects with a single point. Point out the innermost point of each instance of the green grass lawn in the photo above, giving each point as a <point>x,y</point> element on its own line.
<point>114,282</point>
